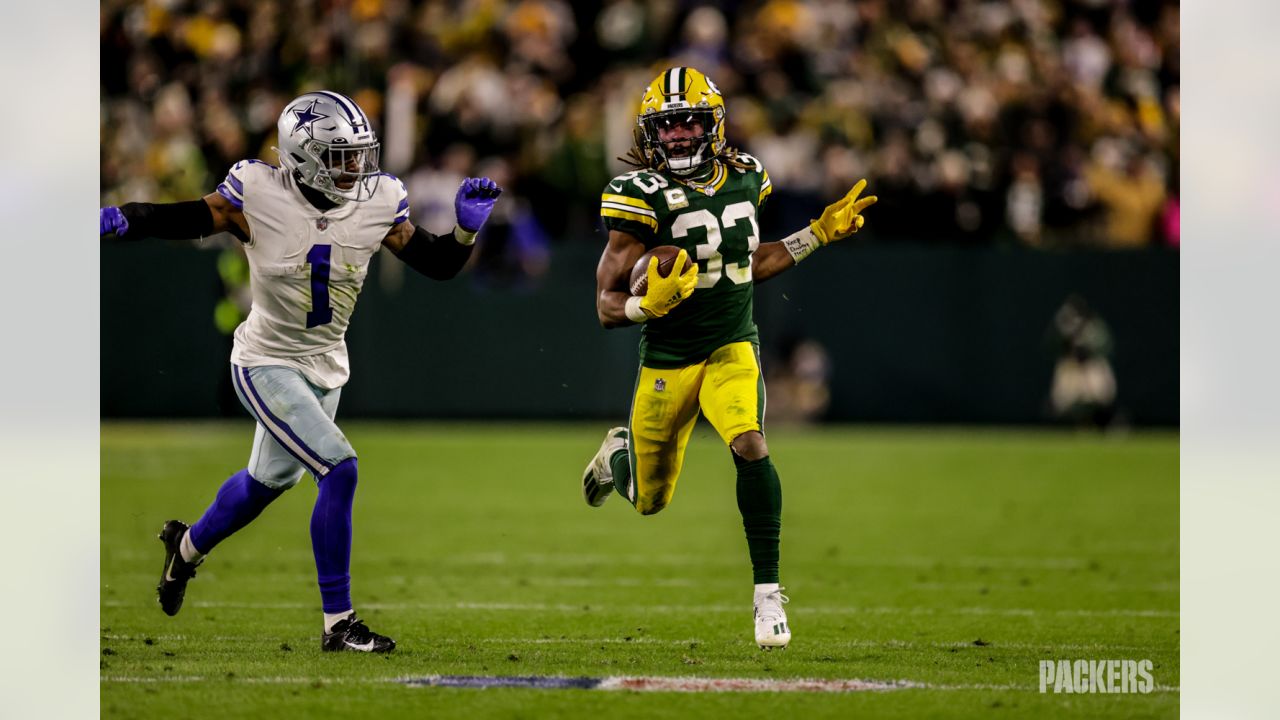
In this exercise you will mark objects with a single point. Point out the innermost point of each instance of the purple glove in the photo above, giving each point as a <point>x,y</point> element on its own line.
<point>474,202</point>
<point>111,220</point>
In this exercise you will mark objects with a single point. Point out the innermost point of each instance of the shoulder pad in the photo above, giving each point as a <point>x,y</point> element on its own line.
<point>396,189</point>
<point>751,160</point>
<point>637,183</point>
<point>232,188</point>
<point>628,201</point>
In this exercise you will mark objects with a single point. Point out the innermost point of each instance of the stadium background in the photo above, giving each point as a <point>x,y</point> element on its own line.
<point>1025,154</point>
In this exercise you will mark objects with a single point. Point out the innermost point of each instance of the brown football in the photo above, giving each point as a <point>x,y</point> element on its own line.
<point>666,255</point>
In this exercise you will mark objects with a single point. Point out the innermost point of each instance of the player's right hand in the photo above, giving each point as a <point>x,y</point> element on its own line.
<point>665,293</point>
<point>111,220</point>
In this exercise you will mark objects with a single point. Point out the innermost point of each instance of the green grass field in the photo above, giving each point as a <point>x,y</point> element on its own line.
<point>953,559</point>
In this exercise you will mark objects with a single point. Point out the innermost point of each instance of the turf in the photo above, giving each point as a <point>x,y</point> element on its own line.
<point>953,559</point>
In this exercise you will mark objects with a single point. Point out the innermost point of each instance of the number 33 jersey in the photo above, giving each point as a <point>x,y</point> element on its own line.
<point>715,222</point>
<point>306,268</point>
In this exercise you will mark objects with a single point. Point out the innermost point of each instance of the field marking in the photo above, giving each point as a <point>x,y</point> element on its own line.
<point>401,580</point>
<point>690,609</point>
<point>1016,562</point>
<point>434,641</point>
<point>960,585</point>
<point>970,586</point>
<point>652,683</point>
<point>887,644</point>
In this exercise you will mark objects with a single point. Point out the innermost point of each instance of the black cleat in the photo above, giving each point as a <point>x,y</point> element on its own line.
<point>352,634</point>
<point>176,571</point>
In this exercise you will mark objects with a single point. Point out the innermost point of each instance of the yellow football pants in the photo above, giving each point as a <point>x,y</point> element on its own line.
<point>729,389</point>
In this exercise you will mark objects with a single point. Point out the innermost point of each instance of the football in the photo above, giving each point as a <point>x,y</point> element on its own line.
<point>666,255</point>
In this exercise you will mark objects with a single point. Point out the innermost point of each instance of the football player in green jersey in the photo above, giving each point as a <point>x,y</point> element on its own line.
<point>699,348</point>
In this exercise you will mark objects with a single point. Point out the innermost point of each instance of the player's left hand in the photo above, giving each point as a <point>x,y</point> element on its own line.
<point>843,217</point>
<point>111,220</point>
<point>474,202</point>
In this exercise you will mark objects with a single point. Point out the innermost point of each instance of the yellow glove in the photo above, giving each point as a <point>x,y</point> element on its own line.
<point>665,293</point>
<point>843,217</point>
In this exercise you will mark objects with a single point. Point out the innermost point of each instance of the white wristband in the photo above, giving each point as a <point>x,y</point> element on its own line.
<point>462,236</point>
<point>633,310</point>
<point>801,244</point>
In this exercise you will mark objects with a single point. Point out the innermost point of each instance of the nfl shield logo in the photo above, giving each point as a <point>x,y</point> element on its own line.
<point>659,385</point>
<point>322,224</point>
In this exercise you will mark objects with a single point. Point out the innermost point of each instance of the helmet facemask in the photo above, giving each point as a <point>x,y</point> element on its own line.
<point>349,172</point>
<point>690,137</point>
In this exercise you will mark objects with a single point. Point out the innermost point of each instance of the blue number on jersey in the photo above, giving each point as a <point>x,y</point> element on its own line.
<point>320,313</point>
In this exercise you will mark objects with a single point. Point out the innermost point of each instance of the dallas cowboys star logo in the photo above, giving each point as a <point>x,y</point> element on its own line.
<point>306,117</point>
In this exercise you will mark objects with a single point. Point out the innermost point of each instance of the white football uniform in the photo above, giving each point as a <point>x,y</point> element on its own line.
<point>306,268</point>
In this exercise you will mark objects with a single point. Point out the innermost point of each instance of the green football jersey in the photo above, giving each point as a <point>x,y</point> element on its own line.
<point>716,223</point>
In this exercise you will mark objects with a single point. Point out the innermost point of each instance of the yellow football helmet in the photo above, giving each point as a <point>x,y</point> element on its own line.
<point>680,97</point>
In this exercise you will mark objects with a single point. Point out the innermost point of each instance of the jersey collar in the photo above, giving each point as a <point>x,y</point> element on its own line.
<point>712,184</point>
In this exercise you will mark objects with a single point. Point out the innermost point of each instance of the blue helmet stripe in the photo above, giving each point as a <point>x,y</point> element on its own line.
<point>353,111</point>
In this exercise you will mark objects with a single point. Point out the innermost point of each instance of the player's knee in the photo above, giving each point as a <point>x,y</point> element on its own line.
<point>750,445</point>
<point>280,479</point>
<point>344,468</point>
<point>652,503</point>
<point>650,506</point>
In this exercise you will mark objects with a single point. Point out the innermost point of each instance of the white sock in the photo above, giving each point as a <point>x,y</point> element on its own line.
<point>188,551</point>
<point>766,588</point>
<point>331,619</point>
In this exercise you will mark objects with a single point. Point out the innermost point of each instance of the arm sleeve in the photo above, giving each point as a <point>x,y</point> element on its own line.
<point>439,257</point>
<point>168,221</point>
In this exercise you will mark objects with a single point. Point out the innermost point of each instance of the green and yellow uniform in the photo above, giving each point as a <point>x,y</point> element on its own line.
<point>699,349</point>
<point>705,352</point>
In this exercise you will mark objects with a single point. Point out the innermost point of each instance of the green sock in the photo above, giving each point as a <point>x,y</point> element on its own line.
<point>760,502</point>
<point>620,463</point>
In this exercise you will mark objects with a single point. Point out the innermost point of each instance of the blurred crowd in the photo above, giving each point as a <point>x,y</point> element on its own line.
<point>1041,122</point>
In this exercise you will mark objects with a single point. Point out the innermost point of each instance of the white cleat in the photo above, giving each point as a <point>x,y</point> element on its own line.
<point>597,479</point>
<point>772,630</point>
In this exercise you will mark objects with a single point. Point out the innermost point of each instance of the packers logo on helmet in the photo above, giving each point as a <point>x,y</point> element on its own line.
<point>680,125</point>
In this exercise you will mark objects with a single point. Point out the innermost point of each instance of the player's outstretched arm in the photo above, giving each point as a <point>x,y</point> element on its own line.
<point>840,220</point>
<point>173,221</point>
<point>616,306</point>
<point>440,257</point>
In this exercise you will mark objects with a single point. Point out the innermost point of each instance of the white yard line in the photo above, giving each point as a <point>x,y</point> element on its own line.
<point>686,560</point>
<point>651,683</point>
<point>888,644</point>
<point>399,580</point>
<point>588,606</point>
<point>959,585</point>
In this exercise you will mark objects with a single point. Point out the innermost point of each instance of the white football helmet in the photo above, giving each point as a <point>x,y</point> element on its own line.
<point>326,140</point>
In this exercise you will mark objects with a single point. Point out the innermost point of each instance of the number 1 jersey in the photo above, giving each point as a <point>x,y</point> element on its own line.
<point>306,268</point>
<point>716,223</point>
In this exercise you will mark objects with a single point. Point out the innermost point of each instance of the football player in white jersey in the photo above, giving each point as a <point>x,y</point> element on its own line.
<point>309,229</point>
